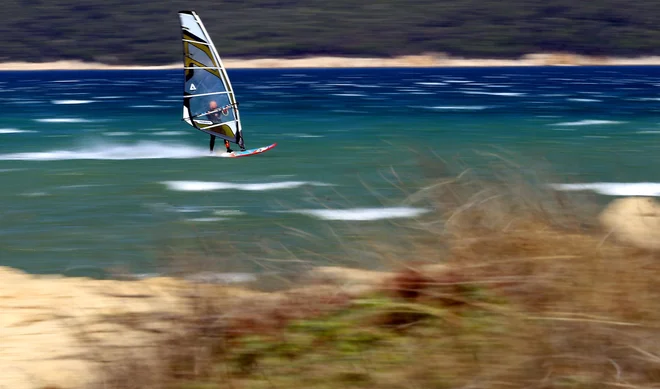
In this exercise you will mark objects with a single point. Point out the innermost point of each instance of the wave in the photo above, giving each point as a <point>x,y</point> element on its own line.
<point>104,151</point>
<point>149,106</point>
<point>354,85</point>
<point>641,132</point>
<point>304,135</point>
<point>429,83</point>
<point>460,107</point>
<point>585,100</point>
<point>206,186</point>
<point>169,133</point>
<point>614,188</point>
<point>71,102</point>
<point>587,123</point>
<point>62,120</point>
<point>118,133</point>
<point>13,131</point>
<point>510,94</point>
<point>362,214</point>
<point>349,94</point>
<point>206,219</point>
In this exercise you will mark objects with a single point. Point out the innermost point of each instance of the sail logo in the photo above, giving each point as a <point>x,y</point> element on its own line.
<point>193,87</point>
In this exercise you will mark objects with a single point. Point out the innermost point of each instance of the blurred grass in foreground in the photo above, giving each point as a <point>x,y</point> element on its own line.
<point>506,285</point>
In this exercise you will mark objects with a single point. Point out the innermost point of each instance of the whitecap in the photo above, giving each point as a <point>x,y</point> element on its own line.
<point>169,133</point>
<point>614,188</point>
<point>511,94</point>
<point>459,107</point>
<point>62,120</point>
<point>304,135</point>
<point>587,123</point>
<point>13,131</point>
<point>206,219</point>
<point>35,194</point>
<point>141,150</point>
<point>584,100</point>
<point>363,214</point>
<point>71,102</point>
<point>348,94</point>
<point>205,186</point>
<point>118,133</point>
<point>429,83</point>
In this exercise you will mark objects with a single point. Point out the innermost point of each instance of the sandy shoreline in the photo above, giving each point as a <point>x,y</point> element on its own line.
<point>346,62</point>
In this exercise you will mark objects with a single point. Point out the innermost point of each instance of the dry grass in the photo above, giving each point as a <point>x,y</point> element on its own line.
<point>507,285</point>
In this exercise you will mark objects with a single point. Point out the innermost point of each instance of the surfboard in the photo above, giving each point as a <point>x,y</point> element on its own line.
<point>209,102</point>
<point>246,153</point>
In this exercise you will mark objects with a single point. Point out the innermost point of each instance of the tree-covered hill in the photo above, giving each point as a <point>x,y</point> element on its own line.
<point>147,31</point>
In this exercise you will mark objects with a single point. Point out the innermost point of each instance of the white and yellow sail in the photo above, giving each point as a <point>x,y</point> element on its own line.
<point>209,103</point>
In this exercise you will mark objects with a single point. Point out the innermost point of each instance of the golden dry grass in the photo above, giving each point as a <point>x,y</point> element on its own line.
<point>506,285</point>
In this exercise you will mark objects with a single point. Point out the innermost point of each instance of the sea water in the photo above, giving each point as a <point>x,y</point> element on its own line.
<point>98,170</point>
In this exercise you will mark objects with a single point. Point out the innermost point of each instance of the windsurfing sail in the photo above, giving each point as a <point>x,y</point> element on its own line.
<point>209,103</point>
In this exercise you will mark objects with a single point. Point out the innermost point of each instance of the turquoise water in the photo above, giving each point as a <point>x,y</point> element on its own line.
<point>98,170</point>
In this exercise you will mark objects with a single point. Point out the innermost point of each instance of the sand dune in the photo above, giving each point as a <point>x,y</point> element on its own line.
<point>424,60</point>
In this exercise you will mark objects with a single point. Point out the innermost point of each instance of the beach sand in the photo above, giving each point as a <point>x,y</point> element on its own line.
<point>424,60</point>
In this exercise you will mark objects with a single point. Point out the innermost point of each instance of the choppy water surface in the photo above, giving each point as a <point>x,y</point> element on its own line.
<point>98,170</point>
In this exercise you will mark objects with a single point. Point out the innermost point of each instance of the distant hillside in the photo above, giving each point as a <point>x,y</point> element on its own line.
<point>147,31</point>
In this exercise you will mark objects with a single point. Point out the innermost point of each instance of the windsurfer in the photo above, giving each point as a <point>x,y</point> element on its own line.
<point>214,116</point>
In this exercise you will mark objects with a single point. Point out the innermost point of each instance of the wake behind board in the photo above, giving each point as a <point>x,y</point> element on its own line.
<point>246,153</point>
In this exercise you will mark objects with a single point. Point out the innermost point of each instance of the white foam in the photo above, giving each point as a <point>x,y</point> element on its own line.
<point>363,214</point>
<point>169,133</point>
<point>13,131</point>
<point>206,219</point>
<point>431,83</point>
<point>511,94</point>
<point>585,100</point>
<point>614,188</point>
<point>206,186</point>
<point>63,81</point>
<point>105,151</point>
<point>648,132</point>
<point>228,212</point>
<point>118,133</point>
<point>354,85</point>
<point>35,194</point>
<point>148,106</point>
<point>304,135</point>
<point>348,94</point>
<point>587,123</point>
<point>62,120</point>
<point>71,102</point>
<point>460,107</point>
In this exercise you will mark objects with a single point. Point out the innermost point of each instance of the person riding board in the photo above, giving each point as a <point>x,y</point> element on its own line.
<point>214,116</point>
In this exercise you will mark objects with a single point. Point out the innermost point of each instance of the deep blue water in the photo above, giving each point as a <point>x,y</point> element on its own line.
<point>98,170</point>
